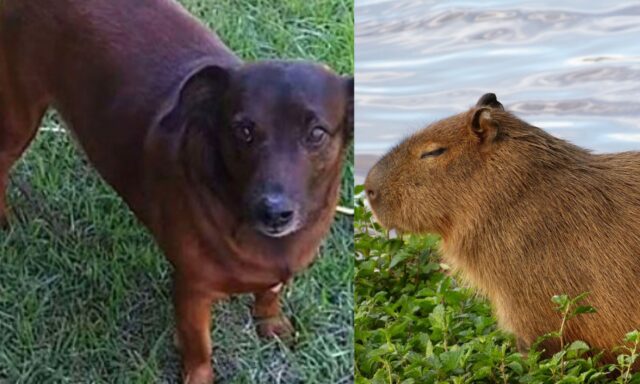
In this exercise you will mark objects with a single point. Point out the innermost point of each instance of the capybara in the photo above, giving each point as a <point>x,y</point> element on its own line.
<point>523,216</point>
<point>234,167</point>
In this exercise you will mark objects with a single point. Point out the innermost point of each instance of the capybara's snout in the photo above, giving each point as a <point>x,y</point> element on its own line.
<point>376,191</point>
<point>373,183</point>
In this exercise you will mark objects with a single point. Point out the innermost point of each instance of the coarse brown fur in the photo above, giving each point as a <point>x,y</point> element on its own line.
<point>523,216</point>
<point>234,167</point>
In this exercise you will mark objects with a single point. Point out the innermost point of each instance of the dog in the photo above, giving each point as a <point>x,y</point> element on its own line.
<point>234,167</point>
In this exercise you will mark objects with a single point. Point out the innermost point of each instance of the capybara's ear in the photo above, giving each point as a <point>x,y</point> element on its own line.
<point>201,94</point>
<point>489,100</point>
<point>348,119</point>
<point>483,125</point>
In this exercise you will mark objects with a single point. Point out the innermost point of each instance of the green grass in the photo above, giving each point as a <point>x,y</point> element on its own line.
<point>416,325</point>
<point>85,293</point>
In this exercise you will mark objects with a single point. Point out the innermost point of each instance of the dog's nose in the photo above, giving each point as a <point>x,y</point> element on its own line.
<point>276,211</point>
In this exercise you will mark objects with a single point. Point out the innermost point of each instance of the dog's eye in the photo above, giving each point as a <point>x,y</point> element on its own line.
<point>244,131</point>
<point>434,153</point>
<point>317,135</point>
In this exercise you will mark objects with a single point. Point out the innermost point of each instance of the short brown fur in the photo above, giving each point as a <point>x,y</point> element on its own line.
<point>523,216</point>
<point>234,167</point>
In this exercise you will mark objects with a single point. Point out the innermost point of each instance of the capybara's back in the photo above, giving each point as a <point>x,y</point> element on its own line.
<point>523,216</point>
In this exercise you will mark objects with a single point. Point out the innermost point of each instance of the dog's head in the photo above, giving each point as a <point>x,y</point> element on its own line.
<point>274,133</point>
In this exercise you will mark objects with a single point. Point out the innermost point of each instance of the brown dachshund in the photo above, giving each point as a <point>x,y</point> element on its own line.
<point>235,168</point>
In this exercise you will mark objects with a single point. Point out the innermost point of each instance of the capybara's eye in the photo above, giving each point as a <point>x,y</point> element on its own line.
<point>434,153</point>
<point>317,136</point>
<point>243,131</point>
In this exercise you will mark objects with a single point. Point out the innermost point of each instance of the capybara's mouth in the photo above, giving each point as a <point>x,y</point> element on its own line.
<point>380,219</point>
<point>388,223</point>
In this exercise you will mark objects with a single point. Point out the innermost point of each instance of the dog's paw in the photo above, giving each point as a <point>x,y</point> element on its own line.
<point>278,326</point>
<point>200,375</point>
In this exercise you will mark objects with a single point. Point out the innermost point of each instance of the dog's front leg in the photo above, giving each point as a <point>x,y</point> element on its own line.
<point>193,338</point>
<point>270,320</point>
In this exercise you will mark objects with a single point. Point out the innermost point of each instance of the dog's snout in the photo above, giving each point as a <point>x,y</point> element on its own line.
<point>276,211</point>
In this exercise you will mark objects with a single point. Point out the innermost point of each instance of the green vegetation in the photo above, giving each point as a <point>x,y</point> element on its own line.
<point>85,295</point>
<point>415,324</point>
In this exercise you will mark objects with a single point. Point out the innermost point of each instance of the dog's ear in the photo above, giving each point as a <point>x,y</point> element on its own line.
<point>202,100</point>
<point>201,96</point>
<point>348,117</point>
<point>181,130</point>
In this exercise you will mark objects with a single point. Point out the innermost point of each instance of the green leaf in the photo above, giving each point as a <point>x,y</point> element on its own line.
<point>632,337</point>
<point>398,258</point>
<point>516,367</point>
<point>584,309</point>
<point>561,300</point>
<point>438,317</point>
<point>482,373</point>
<point>578,345</point>
<point>450,359</point>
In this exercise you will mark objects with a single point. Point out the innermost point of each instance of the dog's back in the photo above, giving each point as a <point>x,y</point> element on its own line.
<point>107,66</point>
<point>90,49</point>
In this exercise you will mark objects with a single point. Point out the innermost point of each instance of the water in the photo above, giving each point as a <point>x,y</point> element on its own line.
<point>571,68</point>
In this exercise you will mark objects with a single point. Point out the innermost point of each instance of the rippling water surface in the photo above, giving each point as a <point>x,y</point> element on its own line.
<point>572,68</point>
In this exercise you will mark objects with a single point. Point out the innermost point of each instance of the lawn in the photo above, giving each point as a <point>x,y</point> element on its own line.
<point>415,324</point>
<point>85,295</point>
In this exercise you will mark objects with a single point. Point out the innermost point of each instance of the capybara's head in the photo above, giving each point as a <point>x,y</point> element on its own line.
<point>278,131</point>
<point>433,179</point>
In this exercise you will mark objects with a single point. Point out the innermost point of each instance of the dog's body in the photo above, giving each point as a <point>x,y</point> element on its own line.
<point>134,81</point>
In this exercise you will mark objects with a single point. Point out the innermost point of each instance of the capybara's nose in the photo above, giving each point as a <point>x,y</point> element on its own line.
<point>276,211</point>
<point>371,187</point>
<point>371,193</point>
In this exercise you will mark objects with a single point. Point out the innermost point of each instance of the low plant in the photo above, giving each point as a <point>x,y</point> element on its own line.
<point>416,324</point>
